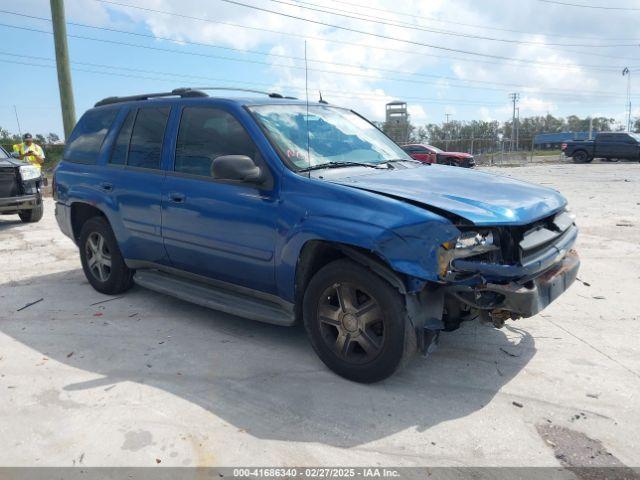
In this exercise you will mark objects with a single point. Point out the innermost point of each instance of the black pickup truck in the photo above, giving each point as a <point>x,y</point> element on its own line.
<point>20,188</point>
<point>610,145</point>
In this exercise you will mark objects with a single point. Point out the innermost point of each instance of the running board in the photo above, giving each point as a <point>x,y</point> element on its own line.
<point>216,298</point>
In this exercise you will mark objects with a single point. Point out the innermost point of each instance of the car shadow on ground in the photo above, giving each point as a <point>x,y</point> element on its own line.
<point>263,379</point>
<point>7,222</point>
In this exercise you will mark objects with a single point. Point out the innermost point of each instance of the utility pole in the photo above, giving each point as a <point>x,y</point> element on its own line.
<point>626,72</point>
<point>446,132</point>
<point>62,62</point>
<point>517,128</point>
<point>514,98</point>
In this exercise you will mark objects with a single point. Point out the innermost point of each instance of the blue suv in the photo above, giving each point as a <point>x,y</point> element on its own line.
<point>284,211</point>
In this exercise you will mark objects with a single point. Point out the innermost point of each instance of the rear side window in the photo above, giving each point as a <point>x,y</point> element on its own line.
<point>206,133</point>
<point>121,147</point>
<point>145,149</point>
<point>86,140</point>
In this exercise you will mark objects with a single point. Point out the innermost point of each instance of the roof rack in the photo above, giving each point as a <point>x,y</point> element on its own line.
<point>268,94</point>
<point>178,92</point>
<point>184,92</point>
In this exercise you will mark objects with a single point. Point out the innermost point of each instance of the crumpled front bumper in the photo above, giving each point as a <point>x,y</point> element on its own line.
<point>524,298</point>
<point>528,299</point>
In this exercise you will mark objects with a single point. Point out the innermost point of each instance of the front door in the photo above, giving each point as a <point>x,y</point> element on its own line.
<point>220,229</point>
<point>423,154</point>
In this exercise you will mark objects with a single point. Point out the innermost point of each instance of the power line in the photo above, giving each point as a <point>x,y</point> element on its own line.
<point>382,21</point>
<point>597,7</point>
<point>341,93</point>
<point>256,52</point>
<point>385,37</point>
<point>364,32</point>
<point>457,23</point>
<point>550,92</point>
<point>522,63</point>
<point>199,78</point>
<point>461,34</point>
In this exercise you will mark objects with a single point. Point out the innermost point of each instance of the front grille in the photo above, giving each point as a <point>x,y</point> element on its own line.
<point>539,237</point>
<point>9,186</point>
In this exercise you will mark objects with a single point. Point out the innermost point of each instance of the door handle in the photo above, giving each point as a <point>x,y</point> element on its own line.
<point>107,187</point>
<point>177,197</point>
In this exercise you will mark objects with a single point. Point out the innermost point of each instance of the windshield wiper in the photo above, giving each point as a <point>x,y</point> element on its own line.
<point>398,160</point>
<point>338,165</point>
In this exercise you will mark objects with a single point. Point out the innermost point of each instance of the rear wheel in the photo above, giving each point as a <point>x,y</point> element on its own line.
<point>357,322</point>
<point>33,215</point>
<point>101,259</point>
<point>581,157</point>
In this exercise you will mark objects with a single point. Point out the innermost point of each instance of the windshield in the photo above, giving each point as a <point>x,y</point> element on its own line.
<point>335,136</point>
<point>635,136</point>
<point>435,149</point>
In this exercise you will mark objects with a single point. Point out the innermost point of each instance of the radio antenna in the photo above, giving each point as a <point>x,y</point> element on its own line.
<point>306,89</point>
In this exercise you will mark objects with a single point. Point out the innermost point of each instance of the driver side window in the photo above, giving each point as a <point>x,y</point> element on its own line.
<point>207,133</point>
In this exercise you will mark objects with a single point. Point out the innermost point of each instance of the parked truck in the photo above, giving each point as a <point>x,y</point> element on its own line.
<point>20,188</point>
<point>609,145</point>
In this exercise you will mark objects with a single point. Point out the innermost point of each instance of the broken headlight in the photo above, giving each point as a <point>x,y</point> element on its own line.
<point>29,172</point>
<point>469,244</point>
<point>473,243</point>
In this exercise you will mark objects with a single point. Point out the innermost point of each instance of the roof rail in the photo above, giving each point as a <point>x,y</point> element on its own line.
<point>269,94</point>
<point>184,92</point>
<point>178,92</point>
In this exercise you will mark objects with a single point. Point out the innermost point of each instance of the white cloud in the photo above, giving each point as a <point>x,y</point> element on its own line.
<point>557,89</point>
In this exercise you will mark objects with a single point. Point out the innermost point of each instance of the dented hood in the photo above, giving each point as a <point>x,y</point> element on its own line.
<point>481,198</point>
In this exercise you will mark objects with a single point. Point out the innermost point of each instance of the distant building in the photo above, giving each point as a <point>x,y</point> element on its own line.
<point>554,140</point>
<point>397,122</point>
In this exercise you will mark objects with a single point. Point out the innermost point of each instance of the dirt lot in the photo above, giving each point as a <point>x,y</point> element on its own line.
<point>146,378</point>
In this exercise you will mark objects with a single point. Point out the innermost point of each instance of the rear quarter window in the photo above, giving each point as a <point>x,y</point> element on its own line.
<point>85,141</point>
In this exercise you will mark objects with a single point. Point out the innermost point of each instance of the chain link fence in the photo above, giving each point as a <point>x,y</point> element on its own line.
<point>487,152</point>
<point>490,151</point>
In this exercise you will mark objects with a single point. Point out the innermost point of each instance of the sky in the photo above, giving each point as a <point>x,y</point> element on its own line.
<point>460,58</point>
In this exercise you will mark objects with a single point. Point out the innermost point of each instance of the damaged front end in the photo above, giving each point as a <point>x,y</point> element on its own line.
<point>496,274</point>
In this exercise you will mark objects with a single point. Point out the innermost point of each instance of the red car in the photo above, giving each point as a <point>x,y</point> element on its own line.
<point>431,154</point>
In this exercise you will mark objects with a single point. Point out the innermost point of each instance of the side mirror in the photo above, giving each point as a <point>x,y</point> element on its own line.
<point>236,167</point>
<point>15,155</point>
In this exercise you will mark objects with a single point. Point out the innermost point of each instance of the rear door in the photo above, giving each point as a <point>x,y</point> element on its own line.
<point>134,180</point>
<point>220,229</point>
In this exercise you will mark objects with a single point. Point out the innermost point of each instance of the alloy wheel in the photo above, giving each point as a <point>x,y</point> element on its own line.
<point>351,323</point>
<point>98,256</point>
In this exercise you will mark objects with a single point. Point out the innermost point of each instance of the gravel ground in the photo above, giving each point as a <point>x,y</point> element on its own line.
<point>144,379</point>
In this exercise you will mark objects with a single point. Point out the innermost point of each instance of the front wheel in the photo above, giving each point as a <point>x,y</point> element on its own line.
<point>33,215</point>
<point>357,322</point>
<point>101,259</point>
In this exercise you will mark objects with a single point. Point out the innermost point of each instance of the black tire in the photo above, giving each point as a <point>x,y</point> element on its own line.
<point>33,215</point>
<point>340,337</point>
<point>114,278</point>
<point>581,156</point>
